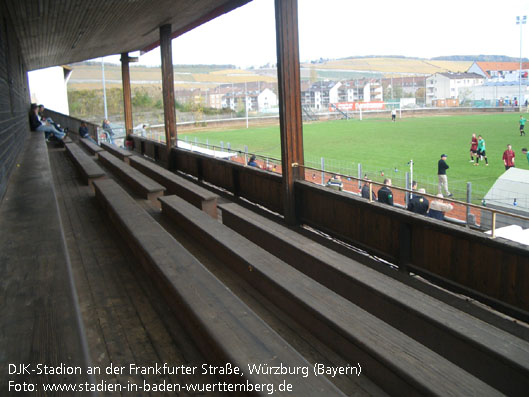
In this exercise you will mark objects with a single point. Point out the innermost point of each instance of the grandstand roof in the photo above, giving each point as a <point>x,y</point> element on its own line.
<point>56,32</point>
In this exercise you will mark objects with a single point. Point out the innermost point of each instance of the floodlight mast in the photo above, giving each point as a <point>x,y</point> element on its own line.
<point>520,21</point>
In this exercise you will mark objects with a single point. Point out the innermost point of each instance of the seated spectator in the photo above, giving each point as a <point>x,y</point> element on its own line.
<point>365,190</point>
<point>335,183</point>
<point>418,204</point>
<point>49,120</point>
<point>108,129</point>
<point>384,193</point>
<point>252,162</point>
<point>37,125</point>
<point>84,133</point>
<point>438,208</point>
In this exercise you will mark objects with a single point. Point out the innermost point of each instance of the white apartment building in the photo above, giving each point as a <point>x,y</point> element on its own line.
<point>450,85</point>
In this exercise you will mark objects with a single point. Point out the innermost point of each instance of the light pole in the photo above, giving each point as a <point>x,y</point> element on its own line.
<point>520,21</point>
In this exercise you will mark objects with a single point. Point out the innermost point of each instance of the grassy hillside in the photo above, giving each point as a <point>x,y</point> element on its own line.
<point>395,65</point>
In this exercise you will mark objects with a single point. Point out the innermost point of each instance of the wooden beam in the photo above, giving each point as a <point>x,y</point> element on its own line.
<point>168,87</point>
<point>127,97</point>
<point>290,118</point>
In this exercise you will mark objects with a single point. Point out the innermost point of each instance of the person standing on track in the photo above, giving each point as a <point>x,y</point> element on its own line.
<point>441,174</point>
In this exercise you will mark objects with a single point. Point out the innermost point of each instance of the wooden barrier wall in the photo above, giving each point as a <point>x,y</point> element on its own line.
<point>491,269</point>
<point>72,123</point>
<point>259,186</point>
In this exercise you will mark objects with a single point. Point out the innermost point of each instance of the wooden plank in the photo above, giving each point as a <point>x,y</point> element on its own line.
<point>223,327</point>
<point>91,146</point>
<point>290,118</point>
<point>122,154</point>
<point>117,301</point>
<point>495,356</point>
<point>394,361</point>
<point>141,184</point>
<point>39,320</point>
<point>189,191</point>
<point>90,171</point>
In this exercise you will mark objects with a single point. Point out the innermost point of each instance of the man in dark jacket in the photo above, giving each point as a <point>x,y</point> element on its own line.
<point>365,191</point>
<point>418,203</point>
<point>441,174</point>
<point>384,194</point>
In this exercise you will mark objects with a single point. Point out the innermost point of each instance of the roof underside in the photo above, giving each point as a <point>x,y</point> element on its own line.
<point>56,32</point>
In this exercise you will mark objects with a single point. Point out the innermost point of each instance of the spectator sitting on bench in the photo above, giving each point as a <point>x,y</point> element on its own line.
<point>38,125</point>
<point>83,132</point>
<point>385,195</point>
<point>49,120</point>
<point>252,162</point>
<point>335,183</point>
<point>108,129</point>
<point>418,203</point>
<point>438,208</point>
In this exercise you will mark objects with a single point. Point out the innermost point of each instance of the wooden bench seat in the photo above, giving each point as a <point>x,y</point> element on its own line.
<point>86,165</point>
<point>189,191</point>
<point>223,327</point>
<point>141,184</point>
<point>91,146</point>
<point>120,153</point>
<point>489,353</point>
<point>396,362</point>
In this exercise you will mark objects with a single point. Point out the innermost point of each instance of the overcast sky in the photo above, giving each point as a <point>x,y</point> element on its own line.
<point>342,28</point>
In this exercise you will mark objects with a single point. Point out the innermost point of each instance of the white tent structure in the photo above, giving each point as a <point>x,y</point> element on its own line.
<point>510,193</point>
<point>210,152</point>
<point>513,233</point>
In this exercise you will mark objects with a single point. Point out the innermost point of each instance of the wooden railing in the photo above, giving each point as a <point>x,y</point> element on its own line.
<point>494,271</point>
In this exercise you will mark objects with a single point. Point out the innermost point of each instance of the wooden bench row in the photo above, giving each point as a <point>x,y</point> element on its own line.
<point>481,349</point>
<point>86,165</point>
<point>140,183</point>
<point>223,327</point>
<point>90,146</point>
<point>396,362</point>
<point>152,180</point>
<point>120,153</point>
<point>174,184</point>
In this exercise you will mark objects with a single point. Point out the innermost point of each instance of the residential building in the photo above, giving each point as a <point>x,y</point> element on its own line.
<point>321,94</point>
<point>266,100</point>
<point>450,85</point>
<point>499,71</point>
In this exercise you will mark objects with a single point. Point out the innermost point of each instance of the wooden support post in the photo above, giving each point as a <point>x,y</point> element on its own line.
<point>127,97</point>
<point>290,118</point>
<point>168,88</point>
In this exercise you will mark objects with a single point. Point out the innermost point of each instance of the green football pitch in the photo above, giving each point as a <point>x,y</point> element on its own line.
<point>384,147</point>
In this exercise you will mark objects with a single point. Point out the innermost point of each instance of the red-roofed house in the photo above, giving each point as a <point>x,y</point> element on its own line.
<point>499,70</point>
